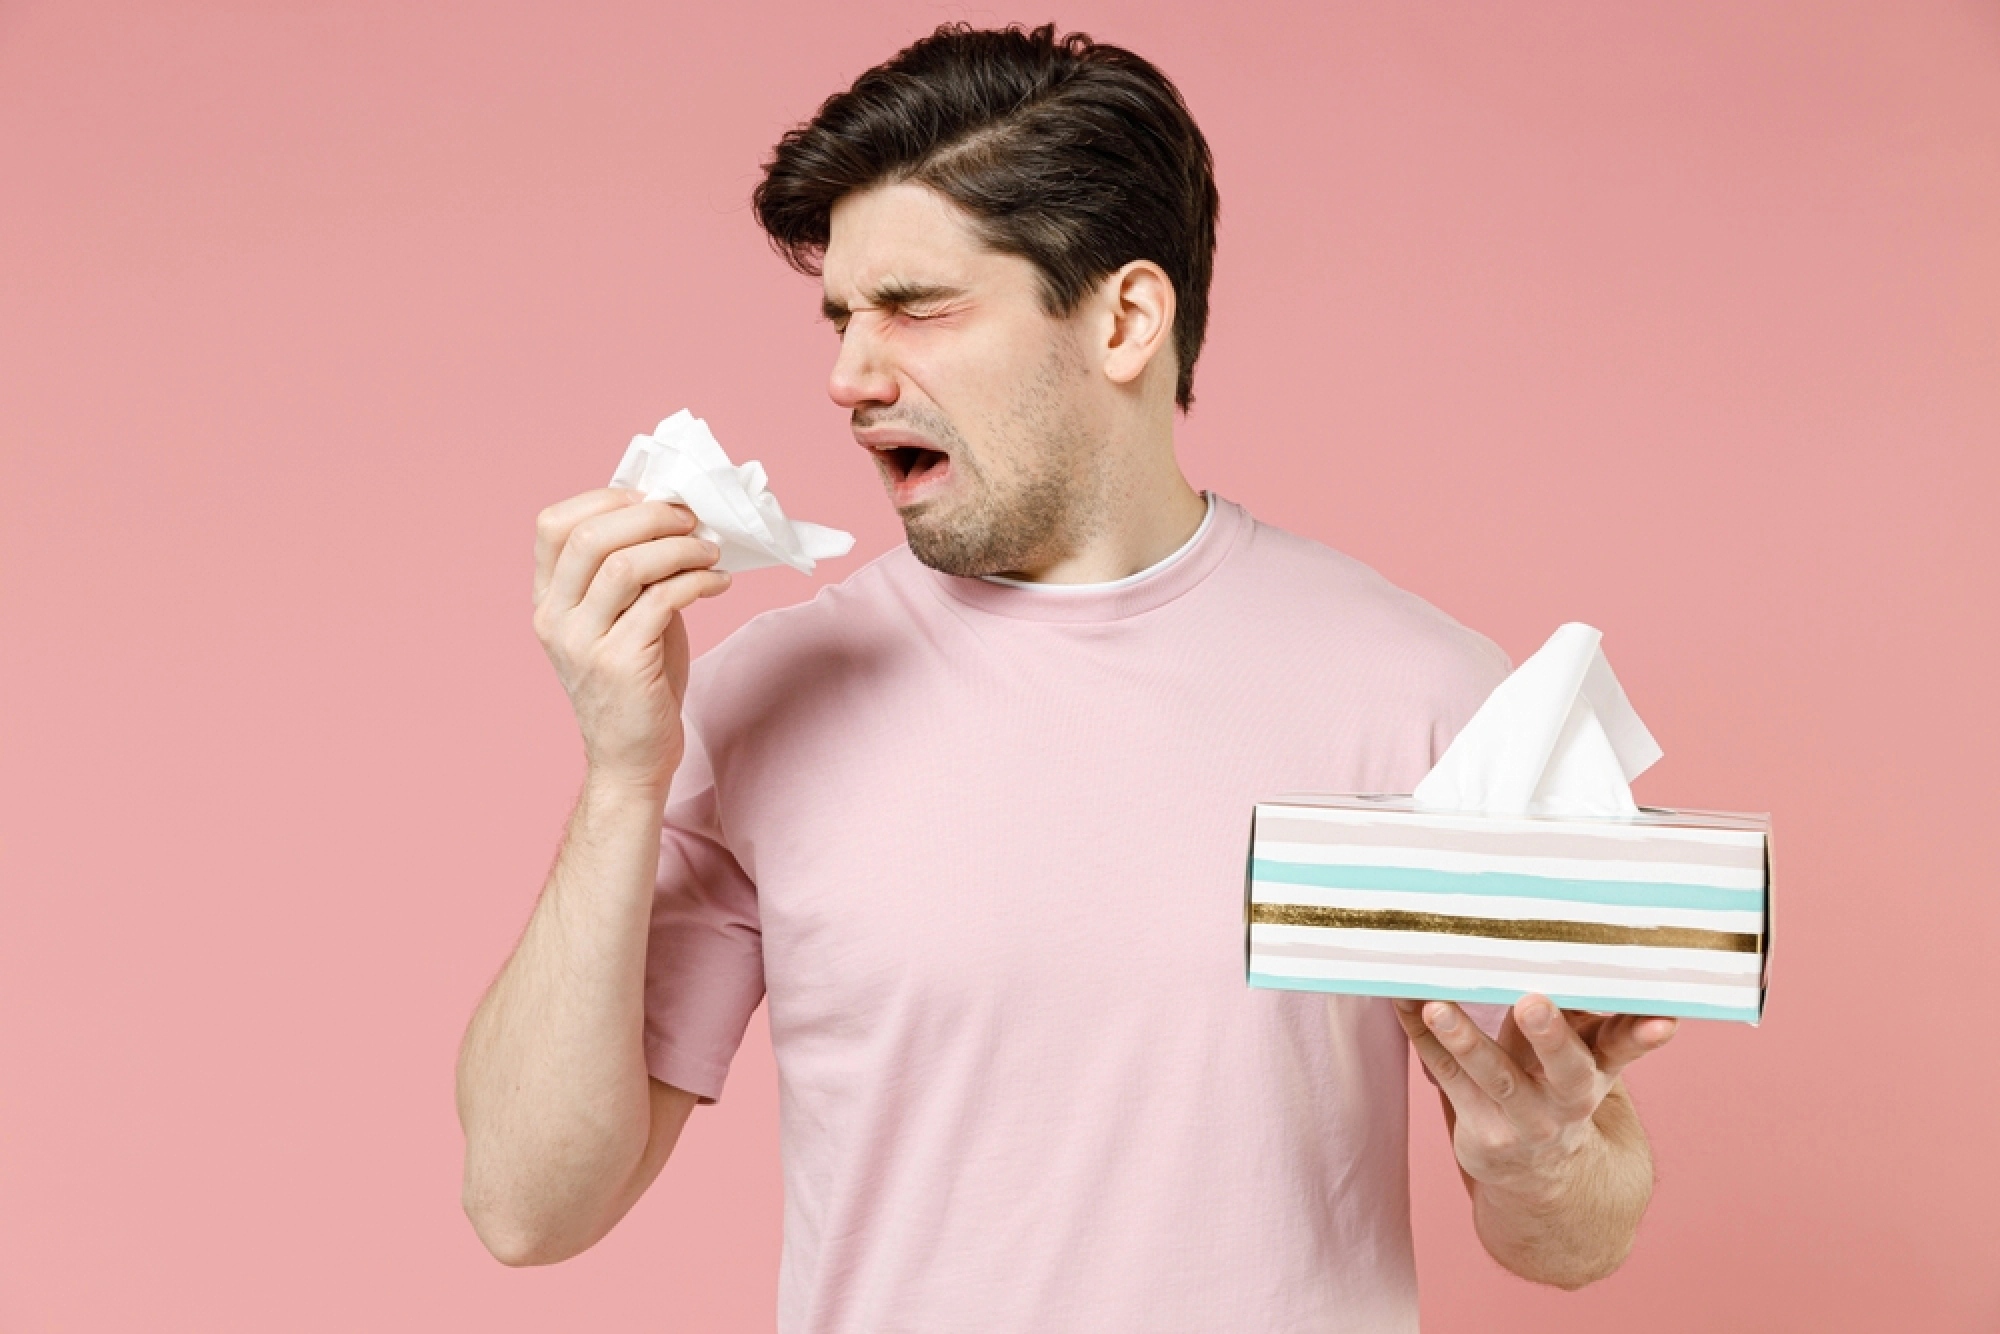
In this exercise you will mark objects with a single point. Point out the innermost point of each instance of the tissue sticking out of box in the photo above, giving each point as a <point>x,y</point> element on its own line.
<point>1558,737</point>
<point>732,503</point>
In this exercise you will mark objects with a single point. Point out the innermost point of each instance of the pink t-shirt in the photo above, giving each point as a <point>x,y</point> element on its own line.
<point>982,847</point>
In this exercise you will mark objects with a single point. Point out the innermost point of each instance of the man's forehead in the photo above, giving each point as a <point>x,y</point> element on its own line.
<point>901,238</point>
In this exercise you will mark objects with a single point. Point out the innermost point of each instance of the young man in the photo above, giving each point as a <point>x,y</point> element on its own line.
<point>972,820</point>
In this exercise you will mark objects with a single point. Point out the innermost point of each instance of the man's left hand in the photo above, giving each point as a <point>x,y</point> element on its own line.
<point>1526,1104</point>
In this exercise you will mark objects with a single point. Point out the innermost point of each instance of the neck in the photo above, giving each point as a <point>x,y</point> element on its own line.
<point>1141,526</point>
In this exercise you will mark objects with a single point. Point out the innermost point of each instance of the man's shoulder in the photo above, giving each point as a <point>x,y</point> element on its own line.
<point>1325,587</point>
<point>1332,602</point>
<point>837,620</point>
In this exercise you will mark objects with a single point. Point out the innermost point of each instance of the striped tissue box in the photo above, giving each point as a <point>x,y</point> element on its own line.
<point>1663,912</point>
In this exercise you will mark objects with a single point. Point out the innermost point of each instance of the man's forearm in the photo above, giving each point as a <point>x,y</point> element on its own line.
<point>552,1084</point>
<point>1580,1225</point>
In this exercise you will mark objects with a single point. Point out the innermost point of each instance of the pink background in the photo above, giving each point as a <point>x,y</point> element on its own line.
<point>1679,319</point>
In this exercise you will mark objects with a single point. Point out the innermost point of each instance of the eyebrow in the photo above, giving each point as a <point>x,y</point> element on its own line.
<point>894,292</point>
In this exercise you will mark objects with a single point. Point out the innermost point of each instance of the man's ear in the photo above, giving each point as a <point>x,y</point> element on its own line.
<point>1139,298</point>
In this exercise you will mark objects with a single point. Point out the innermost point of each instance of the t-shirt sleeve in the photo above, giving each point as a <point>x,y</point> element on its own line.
<point>705,954</point>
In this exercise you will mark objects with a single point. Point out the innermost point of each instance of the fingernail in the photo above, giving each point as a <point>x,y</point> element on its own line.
<point>1445,1020</point>
<point>1540,1016</point>
<point>712,548</point>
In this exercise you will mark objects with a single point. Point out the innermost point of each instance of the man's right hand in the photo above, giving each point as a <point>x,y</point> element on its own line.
<point>612,573</point>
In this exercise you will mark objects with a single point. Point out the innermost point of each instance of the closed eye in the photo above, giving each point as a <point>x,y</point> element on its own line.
<point>918,301</point>
<point>840,323</point>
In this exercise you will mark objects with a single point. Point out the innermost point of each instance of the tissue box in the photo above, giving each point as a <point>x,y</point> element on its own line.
<point>1663,912</point>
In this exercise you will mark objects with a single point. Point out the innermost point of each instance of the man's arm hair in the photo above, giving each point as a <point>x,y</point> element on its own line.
<point>564,1127</point>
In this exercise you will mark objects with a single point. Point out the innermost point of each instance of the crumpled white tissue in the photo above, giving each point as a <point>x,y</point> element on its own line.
<point>1558,737</point>
<point>732,503</point>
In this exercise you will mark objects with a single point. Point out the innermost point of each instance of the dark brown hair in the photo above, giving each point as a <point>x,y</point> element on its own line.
<point>1076,156</point>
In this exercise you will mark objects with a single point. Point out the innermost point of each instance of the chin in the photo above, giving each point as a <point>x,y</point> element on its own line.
<point>948,557</point>
<point>981,532</point>
<point>953,551</point>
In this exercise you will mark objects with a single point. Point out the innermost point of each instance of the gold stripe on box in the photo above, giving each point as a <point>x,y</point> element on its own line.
<point>1504,928</point>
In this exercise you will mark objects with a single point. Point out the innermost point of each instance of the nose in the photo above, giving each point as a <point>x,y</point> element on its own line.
<point>861,375</point>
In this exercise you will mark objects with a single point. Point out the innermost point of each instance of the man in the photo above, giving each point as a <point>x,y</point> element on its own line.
<point>972,820</point>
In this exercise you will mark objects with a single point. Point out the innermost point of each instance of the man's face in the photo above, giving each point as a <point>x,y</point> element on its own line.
<point>973,401</point>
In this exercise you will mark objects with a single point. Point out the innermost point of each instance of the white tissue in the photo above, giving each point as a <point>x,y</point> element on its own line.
<point>732,504</point>
<point>1558,737</point>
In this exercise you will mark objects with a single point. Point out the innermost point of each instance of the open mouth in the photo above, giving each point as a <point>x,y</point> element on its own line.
<point>913,472</point>
<point>908,463</point>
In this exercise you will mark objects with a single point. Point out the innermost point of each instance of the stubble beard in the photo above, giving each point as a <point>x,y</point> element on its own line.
<point>1045,509</point>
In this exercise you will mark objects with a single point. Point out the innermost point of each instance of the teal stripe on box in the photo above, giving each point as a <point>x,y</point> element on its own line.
<point>1504,996</point>
<point>1624,893</point>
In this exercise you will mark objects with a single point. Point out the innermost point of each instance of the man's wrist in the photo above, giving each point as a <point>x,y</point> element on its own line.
<point>608,789</point>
